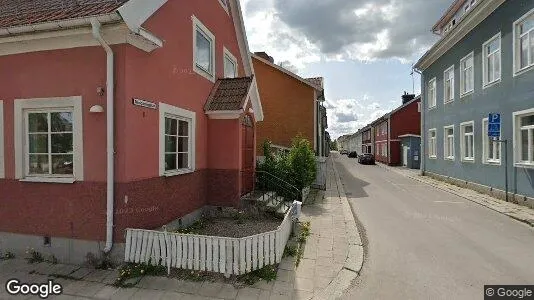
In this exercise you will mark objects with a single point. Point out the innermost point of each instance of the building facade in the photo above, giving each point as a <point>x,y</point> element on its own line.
<point>381,139</point>
<point>405,123</point>
<point>482,64</point>
<point>114,116</point>
<point>368,139</point>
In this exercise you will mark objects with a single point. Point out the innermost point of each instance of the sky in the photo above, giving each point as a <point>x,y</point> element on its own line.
<point>364,49</point>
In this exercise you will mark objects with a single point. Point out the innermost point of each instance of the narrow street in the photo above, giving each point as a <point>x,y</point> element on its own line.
<point>424,243</point>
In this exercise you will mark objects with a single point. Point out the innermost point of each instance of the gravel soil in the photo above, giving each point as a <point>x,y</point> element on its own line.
<point>238,228</point>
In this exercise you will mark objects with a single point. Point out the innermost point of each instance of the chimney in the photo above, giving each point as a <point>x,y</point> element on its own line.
<point>265,56</point>
<point>407,97</point>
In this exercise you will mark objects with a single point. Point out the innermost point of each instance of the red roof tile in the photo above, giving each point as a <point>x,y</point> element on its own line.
<point>228,94</point>
<point>27,12</point>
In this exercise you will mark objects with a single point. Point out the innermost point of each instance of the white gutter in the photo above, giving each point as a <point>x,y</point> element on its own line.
<point>109,133</point>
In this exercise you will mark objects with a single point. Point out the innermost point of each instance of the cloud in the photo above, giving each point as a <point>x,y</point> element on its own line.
<point>303,31</point>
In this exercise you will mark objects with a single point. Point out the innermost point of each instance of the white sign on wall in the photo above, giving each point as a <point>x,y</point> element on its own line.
<point>144,103</point>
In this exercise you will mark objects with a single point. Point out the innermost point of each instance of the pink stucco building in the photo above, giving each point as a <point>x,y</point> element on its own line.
<point>120,114</point>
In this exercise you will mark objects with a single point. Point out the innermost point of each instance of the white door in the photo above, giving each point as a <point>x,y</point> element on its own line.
<point>405,156</point>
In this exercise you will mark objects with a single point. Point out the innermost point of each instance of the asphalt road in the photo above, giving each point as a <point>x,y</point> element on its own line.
<point>424,243</point>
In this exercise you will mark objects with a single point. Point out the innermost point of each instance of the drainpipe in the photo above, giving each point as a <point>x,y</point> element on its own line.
<point>422,146</point>
<point>109,133</point>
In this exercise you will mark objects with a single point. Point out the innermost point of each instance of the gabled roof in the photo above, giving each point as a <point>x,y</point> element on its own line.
<point>455,6</point>
<point>229,94</point>
<point>30,12</point>
<point>287,72</point>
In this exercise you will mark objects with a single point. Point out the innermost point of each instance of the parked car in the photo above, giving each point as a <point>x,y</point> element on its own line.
<point>366,159</point>
<point>353,154</point>
<point>344,152</point>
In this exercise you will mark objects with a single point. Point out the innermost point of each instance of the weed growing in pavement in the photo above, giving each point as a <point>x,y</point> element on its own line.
<point>290,250</point>
<point>267,273</point>
<point>8,255</point>
<point>305,231</point>
<point>133,270</point>
<point>34,256</point>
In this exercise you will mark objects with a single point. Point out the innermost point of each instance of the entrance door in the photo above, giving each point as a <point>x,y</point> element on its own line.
<point>247,166</point>
<point>405,150</point>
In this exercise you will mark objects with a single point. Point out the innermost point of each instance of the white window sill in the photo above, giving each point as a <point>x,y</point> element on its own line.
<point>178,172</point>
<point>492,163</point>
<point>449,101</point>
<point>468,93</point>
<point>432,108</point>
<point>449,158</point>
<point>433,157</point>
<point>490,84</point>
<point>468,160</point>
<point>524,165</point>
<point>524,70</point>
<point>203,73</point>
<point>49,179</point>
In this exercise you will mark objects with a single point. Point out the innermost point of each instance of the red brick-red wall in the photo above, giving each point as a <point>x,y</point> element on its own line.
<point>381,138</point>
<point>406,121</point>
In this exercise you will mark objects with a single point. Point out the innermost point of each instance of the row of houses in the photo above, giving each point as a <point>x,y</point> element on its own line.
<point>120,114</point>
<point>393,139</point>
<point>476,122</point>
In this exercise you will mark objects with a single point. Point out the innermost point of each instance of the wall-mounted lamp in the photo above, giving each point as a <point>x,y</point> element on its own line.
<point>96,109</point>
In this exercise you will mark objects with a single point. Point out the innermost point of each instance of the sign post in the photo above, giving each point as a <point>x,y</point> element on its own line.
<point>494,132</point>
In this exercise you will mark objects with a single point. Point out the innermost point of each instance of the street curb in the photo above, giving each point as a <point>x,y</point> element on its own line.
<point>355,256</point>
<point>525,221</point>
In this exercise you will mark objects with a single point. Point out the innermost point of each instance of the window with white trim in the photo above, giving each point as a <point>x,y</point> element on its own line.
<point>467,147</point>
<point>2,171</point>
<point>230,64</point>
<point>466,74</point>
<point>384,149</point>
<point>48,139</point>
<point>448,142</point>
<point>524,137</point>
<point>524,42</point>
<point>448,85</point>
<point>491,60</point>
<point>203,50</point>
<point>177,140</point>
<point>491,150</point>
<point>432,93</point>
<point>432,143</point>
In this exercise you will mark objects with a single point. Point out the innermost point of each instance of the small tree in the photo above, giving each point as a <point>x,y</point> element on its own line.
<point>302,162</point>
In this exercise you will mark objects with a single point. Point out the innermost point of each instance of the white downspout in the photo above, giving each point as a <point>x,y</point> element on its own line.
<point>109,133</point>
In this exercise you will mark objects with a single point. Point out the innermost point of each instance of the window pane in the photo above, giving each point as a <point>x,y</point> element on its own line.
<point>229,68</point>
<point>531,47</point>
<point>497,68</point>
<point>62,143</point>
<point>170,126</point>
<point>490,149</point>
<point>524,145</point>
<point>497,150</point>
<point>38,164</point>
<point>493,45</point>
<point>523,46</point>
<point>38,143</point>
<point>468,129</point>
<point>170,162</point>
<point>184,128</point>
<point>526,25</point>
<point>203,52</point>
<point>62,164</point>
<point>61,121</point>
<point>183,162</point>
<point>489,71</point>
<point>527,121</point>
<point>38,122</point>
<point>183,144</point>
<point>170,143</point>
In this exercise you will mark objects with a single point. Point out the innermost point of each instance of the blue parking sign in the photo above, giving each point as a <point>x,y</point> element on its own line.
<point>494,125</point>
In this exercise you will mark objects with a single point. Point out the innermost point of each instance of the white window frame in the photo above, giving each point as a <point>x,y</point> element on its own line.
<point>198,26</point>
<point>485,82</point>
<point>166,110</point>
<point>445,78</point>
<point>485,146</point>
<point>2,126</point>
<point>462,75</point>
<point>446,154</point>
<point>224,5</point>
<point>228,55</point>
<point>517,139</point>
<point>72,103</point>
<point>432,143</point>
<point>465,135</point>
<point>432,101</point>
<point>517,70</point>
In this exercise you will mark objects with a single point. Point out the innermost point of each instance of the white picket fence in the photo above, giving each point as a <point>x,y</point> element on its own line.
<point>229,256</point>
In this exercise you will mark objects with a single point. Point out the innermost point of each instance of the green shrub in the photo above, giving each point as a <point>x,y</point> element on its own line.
<point>302,161</point>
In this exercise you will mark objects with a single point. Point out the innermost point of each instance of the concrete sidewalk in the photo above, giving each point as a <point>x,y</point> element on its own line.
<point>333,257</point>
<point>515,211</point>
